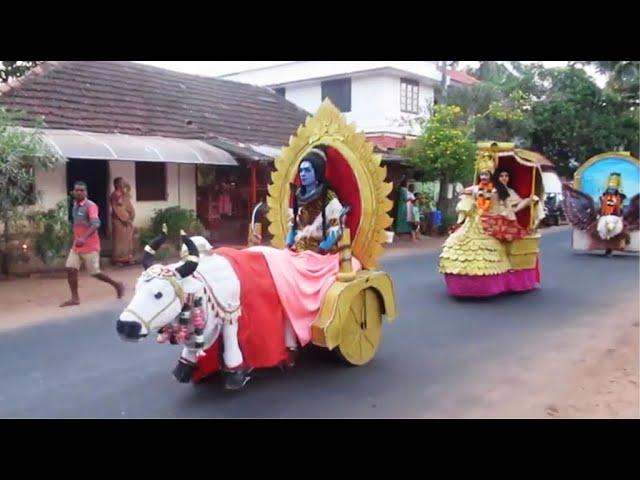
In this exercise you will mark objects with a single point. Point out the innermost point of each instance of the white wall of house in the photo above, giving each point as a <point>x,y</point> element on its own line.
<point>181,190</point>
<point>181,187</point>
<point>306,96</point>
<point>375,102</point>
<point>375,88</point>
<point>51,185</point>
<point>278,75</point>
<point>397,119</point>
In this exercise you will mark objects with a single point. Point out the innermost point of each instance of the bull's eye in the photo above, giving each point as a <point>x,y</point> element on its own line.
<point>158,295</point>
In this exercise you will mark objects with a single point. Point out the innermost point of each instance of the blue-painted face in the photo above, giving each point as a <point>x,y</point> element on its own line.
<point>307,174</point>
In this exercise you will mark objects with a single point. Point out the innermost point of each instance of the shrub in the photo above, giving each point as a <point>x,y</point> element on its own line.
<point>55,232</point>
<point>177,219</point>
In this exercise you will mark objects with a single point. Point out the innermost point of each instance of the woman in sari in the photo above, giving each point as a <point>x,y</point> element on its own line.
<point>404,195</point>
<point>122,216</point>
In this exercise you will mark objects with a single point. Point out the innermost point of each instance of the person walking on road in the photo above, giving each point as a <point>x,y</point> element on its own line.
<point>86,245</point>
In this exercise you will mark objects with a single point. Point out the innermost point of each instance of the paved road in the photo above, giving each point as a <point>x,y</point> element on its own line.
<point>79,368</point>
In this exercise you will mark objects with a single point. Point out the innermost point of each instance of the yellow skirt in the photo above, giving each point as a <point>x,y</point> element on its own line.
<point>470,251</point>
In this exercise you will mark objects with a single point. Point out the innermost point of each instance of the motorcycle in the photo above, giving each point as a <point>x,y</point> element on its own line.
<point>553,211</point>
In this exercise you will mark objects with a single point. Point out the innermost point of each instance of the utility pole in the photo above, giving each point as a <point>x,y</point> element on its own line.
<point>443,201</point>
<point>443,84</point>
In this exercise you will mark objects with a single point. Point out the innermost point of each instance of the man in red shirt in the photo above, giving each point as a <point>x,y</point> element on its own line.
<point>86,244</point>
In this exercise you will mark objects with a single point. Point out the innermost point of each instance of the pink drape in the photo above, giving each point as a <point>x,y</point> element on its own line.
<point>302,280</point>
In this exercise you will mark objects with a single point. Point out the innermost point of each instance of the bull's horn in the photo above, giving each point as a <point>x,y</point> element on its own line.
<point>149,255</point>
<point>191,261</point>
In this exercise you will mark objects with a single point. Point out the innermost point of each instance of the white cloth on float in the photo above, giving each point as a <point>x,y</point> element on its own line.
<point>609,226</point>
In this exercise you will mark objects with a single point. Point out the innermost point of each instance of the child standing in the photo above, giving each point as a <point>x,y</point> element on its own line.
<point>414,214</point>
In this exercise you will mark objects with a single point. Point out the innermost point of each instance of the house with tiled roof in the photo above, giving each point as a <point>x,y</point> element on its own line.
<point>381,97</point>
<point>198,142</point>
<point>459,78</point>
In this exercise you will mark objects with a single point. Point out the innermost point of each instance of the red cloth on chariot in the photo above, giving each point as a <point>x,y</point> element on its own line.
<point>502,228</point>
<point>261,323</point>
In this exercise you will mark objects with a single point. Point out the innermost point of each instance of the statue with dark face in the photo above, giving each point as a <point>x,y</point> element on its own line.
<point>612,199</point>
<point>315,224</point>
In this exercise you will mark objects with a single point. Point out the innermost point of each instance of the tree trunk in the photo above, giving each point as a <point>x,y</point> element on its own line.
<point>442,194</point>
<point>5,250</point>
<point>443,84</point>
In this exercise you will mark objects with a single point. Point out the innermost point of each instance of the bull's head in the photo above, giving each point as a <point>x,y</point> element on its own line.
<point>159,294</point>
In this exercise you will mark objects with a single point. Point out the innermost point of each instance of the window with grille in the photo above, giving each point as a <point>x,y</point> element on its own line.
<point>151,181</point>
<point>409,95</point>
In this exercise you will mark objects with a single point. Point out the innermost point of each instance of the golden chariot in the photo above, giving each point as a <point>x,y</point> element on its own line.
<point>350,319</point>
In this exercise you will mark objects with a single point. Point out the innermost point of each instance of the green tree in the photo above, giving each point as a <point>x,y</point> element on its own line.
<point>475,99</point>
<point>492,72</point>
<point>491,113</point>
<point>623,78</point>
<point>496,107</point>
<point>21,151</point>
<point>560,112</point>
<point>575,119</point>
<point>16,69</point>
<point>444,150</point>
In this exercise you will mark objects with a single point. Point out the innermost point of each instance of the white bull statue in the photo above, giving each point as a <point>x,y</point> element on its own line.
<point>191,303</point>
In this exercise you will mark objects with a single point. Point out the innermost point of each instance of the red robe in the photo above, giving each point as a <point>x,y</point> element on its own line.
<point>261,324</point>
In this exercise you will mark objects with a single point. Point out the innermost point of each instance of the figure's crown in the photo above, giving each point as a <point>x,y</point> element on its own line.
<point>487,155</point>
<point>614,181</point>
<point>485,162</point>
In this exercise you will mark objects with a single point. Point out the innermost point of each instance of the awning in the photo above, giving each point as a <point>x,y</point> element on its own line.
<point>394,158</point>
<point>238,149</point>
<point>267,150</point>
<point>133,148</point>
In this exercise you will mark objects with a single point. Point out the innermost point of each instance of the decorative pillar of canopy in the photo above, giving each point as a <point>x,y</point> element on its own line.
<point>254,186</point>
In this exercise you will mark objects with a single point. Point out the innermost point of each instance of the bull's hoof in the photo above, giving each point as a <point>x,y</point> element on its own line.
<point>235,380</point>
<point>290,362</point>
<point>184,371</point>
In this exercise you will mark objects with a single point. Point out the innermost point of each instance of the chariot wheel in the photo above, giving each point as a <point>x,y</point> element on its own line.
<point>361,329</point>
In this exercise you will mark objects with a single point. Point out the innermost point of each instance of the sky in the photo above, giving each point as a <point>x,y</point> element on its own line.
<point>214,69</point>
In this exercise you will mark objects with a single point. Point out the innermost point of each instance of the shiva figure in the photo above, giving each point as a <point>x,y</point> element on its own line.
<point>315,221</point>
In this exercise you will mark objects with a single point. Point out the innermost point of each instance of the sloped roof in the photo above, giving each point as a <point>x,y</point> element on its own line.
<point>462,77</point>
<point>135,99</point>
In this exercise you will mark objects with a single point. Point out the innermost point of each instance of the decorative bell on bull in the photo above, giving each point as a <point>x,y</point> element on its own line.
<point>197,317</point>
<point>185,315</point>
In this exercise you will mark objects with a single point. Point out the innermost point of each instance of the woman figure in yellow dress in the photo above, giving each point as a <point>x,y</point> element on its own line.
<point>469,250</point>
<point>476,259</point>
